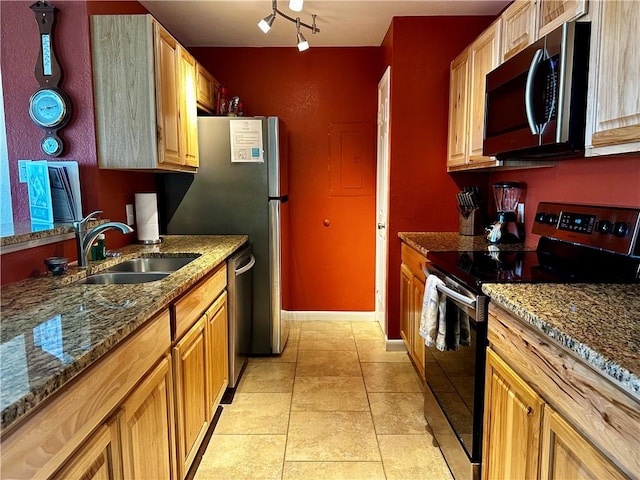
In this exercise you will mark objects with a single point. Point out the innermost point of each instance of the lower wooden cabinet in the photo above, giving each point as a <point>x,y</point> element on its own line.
<point>567,454</point>
<point>548,415</point>
<point>146,427</point>
<point>192,406</point>
<point>217,352</point>
<point>99,458</point>
<point>513,415</point>
<point>412,280</point>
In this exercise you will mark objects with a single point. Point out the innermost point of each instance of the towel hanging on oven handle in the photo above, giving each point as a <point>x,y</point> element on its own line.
<point>469,302</point>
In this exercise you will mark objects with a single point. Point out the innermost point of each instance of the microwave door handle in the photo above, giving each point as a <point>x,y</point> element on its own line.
<point>528,92</point>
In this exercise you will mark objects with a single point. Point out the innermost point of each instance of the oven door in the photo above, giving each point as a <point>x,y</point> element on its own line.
<point>456,377</point>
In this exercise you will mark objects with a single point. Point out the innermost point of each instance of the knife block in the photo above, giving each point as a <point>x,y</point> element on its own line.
<point>472,224</point>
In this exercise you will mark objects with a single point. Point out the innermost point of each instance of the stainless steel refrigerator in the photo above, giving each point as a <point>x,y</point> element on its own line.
<point>239,188</point>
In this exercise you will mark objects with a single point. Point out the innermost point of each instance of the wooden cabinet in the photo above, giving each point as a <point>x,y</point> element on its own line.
<point>99,458</point>
<point>192,406</point>
<point>613,101</point>
<point>518,27</point>
<point>458,110</point>
<point>412,280</point>
<point>144,95</point>
<point>484,56</point>
<point>146,427</point>
<point>567,454</point>
<point>539,397</point>
<point>217,352</point>
<point>553,13</point>
<point>206,88</point>
<point>512,423</point>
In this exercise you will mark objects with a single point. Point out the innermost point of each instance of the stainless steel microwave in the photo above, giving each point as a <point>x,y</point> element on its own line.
<point>536,101</point>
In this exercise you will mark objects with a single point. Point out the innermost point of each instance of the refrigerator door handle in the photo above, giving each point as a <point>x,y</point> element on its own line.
<point>247,267</point>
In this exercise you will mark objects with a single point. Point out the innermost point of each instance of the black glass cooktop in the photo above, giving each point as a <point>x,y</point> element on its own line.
<point>541,266</point>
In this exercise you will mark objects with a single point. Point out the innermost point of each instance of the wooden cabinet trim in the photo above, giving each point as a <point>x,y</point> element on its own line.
<point>190,307</point>
<point>217,352</point>
<point>46,439</point>
<point>206,89</point>
<point>599,410</point>
<point>414,261</point>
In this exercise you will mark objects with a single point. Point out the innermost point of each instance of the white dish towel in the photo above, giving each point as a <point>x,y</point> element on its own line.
<point>433,324</point>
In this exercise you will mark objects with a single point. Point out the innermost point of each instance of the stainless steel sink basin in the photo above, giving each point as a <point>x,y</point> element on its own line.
<point>152,264</point>
<point>109,278</point>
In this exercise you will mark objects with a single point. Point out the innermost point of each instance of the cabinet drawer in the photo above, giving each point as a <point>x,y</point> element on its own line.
<point>414,260</point>
<point>193,304</point>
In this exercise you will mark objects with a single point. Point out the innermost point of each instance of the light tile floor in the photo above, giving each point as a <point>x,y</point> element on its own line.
<point>334,405</point>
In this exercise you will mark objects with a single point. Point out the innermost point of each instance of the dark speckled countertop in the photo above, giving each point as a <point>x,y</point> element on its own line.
<point>51,328</point>
<point>599,323</point>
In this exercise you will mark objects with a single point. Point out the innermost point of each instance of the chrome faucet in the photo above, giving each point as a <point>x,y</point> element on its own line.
<point>85,238</point>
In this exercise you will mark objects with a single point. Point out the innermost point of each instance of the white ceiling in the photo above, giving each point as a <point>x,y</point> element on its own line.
<point>341,23</point>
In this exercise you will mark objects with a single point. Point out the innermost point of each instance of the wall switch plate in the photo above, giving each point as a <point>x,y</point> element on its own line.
<point>131,219</point>
<point>22,170</point>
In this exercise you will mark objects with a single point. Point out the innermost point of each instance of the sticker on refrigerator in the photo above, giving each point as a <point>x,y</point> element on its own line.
<point>246,140</point>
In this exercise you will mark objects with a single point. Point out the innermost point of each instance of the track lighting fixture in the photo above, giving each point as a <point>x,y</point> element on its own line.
<point>266,23</point>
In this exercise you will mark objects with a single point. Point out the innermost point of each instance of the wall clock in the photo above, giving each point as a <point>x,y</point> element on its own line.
<point>49,107</point>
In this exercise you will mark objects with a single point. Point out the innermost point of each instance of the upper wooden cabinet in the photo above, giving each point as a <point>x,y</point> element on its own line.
<point>144,94</point>
<point>553,13</point>
<point>206,87</point>
<point>613,102</point>
<point>519,27</point>
<point>467,100</point>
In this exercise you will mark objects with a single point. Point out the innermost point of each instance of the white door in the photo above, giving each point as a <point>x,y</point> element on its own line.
<point>382,198</point>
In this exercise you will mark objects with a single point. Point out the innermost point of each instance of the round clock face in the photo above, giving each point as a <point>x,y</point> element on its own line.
<point>48,108</point>
<point>52,146</point>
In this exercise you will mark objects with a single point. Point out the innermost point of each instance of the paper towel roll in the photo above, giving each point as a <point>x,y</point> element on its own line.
<point>147,218</point>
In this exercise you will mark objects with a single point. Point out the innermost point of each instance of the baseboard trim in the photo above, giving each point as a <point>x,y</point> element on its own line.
<point>329,316</point>
<point>394,345</point>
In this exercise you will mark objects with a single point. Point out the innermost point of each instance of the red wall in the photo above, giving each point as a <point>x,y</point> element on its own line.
<point>101,190</point>
<point>331,267</point>
<point>422,194</point>
<point>599,181</point>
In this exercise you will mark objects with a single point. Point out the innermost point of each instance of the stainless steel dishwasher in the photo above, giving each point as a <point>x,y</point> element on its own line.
<point>239,287</point>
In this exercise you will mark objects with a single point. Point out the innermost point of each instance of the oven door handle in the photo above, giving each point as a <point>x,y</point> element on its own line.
<point>469,302</point>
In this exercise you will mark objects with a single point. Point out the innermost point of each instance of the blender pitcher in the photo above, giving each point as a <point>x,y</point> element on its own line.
<point>506,229</point>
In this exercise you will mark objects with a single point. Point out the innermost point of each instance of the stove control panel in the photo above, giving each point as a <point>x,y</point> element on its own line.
<point>615,229</point>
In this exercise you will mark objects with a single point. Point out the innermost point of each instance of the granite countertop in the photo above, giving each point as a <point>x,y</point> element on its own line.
<point>51,328</point>
<point>598,323</point>
<point>424,242</point>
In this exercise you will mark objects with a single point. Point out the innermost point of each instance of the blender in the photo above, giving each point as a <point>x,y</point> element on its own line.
<point>506,229</point>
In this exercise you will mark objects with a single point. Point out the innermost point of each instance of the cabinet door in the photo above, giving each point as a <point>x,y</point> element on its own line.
<point>458,93</point>
<point>553,13</point>
<point>217,351</point>
<point>406,305</point>
<point>205,89</point>
<point>518,27</point>
<point>484,56</point>
<point>189,365</point>
<point>188,109</point>
<point>418,346</point>
<point>167,97</point>
<point>614,96</point>
<point>512,423</point>
<point>146,426</point>
<point>566,453</point>
<point>99,458</point>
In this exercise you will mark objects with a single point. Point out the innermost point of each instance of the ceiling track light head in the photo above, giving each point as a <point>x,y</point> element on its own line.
<point>266,23</point>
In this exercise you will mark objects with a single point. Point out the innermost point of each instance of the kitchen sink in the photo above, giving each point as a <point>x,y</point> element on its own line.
<point>110,278</point>
<point>152,264</point>
<point>139,270</point>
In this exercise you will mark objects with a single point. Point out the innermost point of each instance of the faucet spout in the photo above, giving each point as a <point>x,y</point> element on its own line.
<point>84,238</point>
